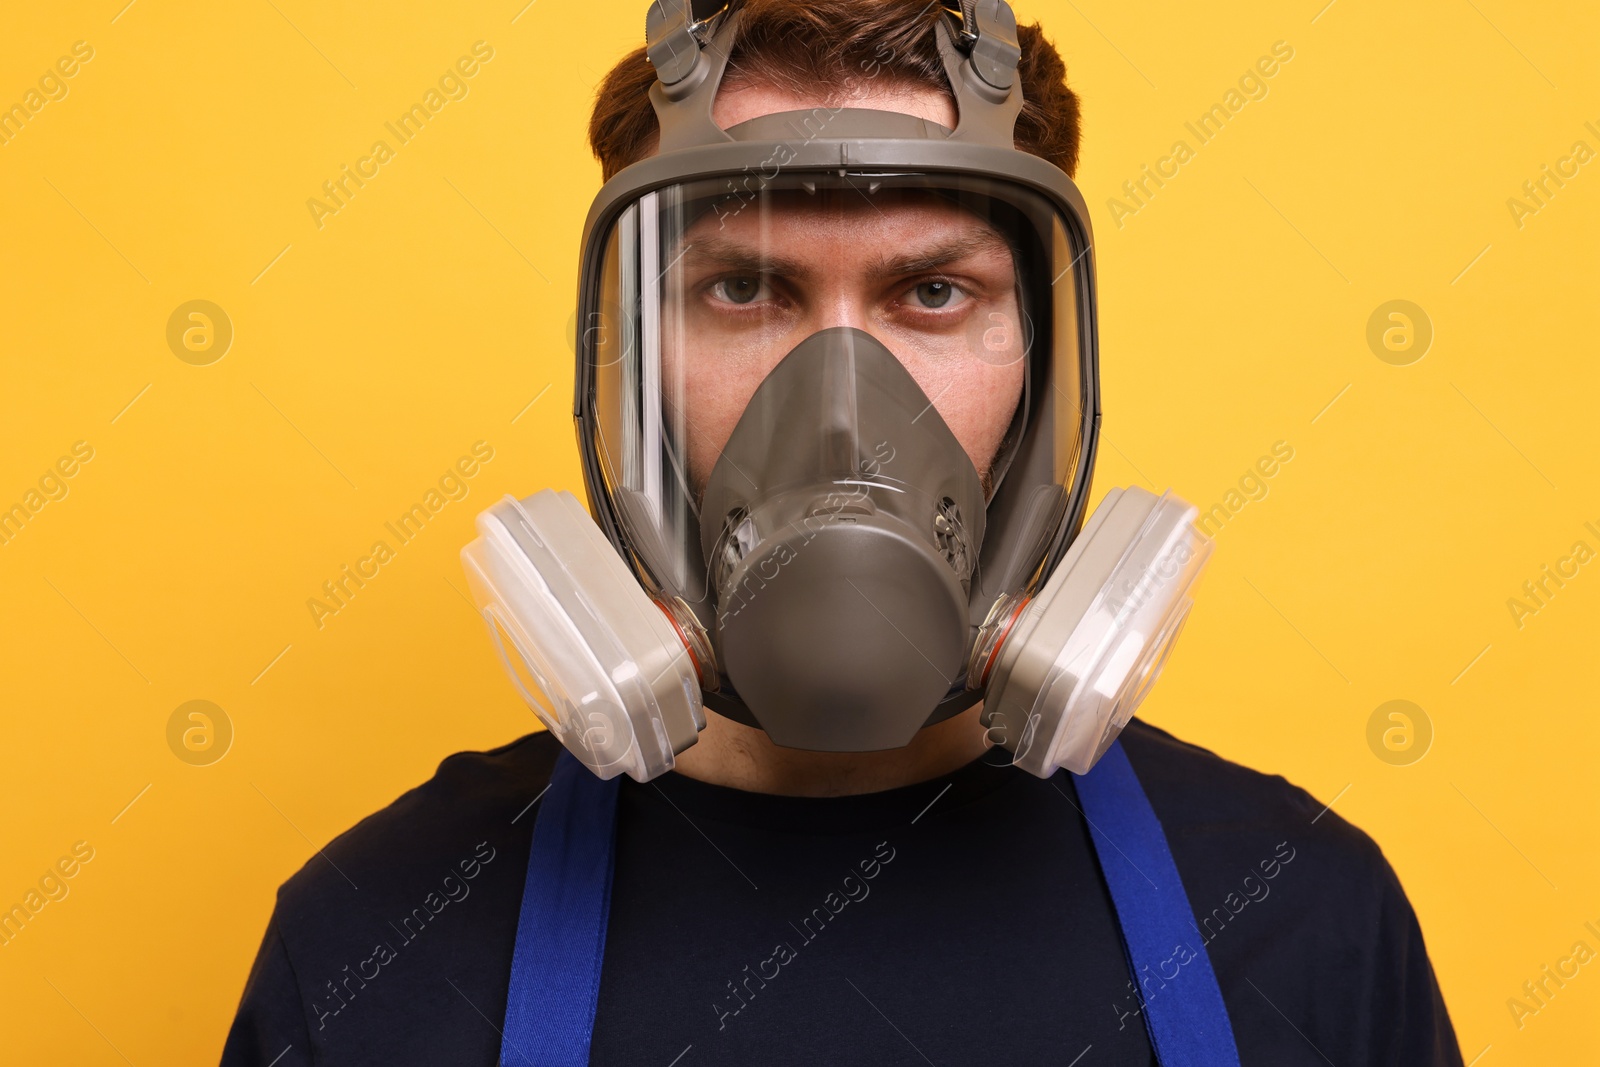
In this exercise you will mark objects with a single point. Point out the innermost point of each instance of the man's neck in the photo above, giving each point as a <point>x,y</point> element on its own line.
<point>741,757</point>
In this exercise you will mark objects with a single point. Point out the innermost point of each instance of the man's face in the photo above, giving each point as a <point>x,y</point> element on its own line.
<point>935,284</point>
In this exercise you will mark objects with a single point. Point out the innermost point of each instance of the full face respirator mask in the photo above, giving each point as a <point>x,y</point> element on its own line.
<point>837,404</point>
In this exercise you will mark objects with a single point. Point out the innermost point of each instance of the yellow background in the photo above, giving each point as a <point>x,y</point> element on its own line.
<point>434,307</point>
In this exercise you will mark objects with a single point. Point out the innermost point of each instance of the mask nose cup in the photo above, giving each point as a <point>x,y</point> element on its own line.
<point>850,518</point>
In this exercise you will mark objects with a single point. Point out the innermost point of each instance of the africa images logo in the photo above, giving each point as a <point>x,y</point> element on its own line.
<point>453,485</point>
<point>453,84</point>
<point>853,887</point>
<point>453,889</point>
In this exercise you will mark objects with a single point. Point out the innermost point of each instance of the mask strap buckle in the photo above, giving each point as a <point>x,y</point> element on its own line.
<point>675,32</point>
<point>687,43</point>
<point>978,43</point>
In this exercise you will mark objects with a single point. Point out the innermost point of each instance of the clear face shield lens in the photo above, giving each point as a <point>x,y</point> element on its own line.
<point>703,290</point>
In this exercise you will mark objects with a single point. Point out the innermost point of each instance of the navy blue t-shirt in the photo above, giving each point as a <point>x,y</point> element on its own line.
<point>962,920</point>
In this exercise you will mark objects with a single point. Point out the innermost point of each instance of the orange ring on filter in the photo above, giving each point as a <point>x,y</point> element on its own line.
<point>994,652</point>
<point>688,646</point>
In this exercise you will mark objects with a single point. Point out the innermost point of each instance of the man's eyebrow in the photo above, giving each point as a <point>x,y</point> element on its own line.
<point>942,254</point>
<point>734,255</point>
<point>726,254</point>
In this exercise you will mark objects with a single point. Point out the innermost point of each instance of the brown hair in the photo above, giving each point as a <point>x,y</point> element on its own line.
<point>801,45</point>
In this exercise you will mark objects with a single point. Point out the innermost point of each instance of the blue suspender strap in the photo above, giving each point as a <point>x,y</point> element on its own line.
<point>1183,1009</point>
<point>561,932</point>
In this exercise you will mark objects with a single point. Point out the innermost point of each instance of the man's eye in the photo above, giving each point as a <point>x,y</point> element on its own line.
<point>934,294</point>
<point>740,289</point>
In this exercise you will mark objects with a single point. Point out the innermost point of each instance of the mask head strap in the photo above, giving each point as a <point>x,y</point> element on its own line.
<point>978,43</point>
<point>688,41</point>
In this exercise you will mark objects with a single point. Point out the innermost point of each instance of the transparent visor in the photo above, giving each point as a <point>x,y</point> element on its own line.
<point>699,290</point>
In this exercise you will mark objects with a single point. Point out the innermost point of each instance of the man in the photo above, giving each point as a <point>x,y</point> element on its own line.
<point>838,409</point>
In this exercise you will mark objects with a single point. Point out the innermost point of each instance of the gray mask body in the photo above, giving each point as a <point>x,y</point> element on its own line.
<point>842,577</point>
<point>840,527</point>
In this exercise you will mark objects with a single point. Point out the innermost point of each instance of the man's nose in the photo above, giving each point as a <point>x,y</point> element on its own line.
<point>842,305</point>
